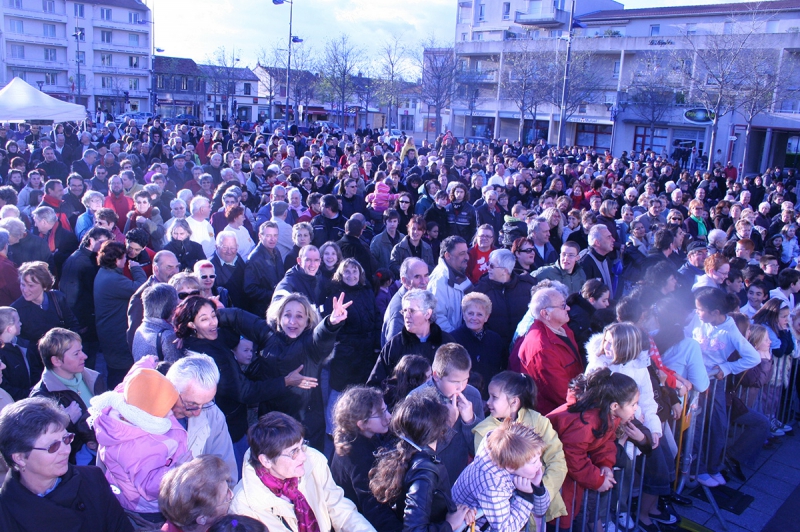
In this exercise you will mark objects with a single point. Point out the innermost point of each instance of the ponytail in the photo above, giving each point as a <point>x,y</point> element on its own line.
<point>602,389</point>
<point>517,385</point>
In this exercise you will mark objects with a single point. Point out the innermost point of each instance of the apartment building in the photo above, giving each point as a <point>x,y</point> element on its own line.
<point>93,53</point>
<point>620,45</point>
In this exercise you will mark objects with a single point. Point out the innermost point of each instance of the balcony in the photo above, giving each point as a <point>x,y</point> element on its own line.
<point>35,38</point>
<point>35,14</point>
<point>130,27</point>
<point>546,17</point>
<point>121,70</point>
<point>142,49</point>
<point>30,65</point>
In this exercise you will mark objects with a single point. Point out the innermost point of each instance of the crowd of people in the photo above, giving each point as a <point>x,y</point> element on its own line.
<point>212,329</point>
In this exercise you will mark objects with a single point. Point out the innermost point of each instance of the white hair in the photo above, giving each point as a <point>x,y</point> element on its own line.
<point>194,368</point>
<point>198,202</point>
<point>222,235</point>
<point>504,259</point>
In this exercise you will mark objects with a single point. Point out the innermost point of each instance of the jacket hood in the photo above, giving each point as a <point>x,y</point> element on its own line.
<point>598,359</point>
<point>107,411</point>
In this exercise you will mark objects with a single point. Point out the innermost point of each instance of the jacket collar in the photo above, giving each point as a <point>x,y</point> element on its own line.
<point>53,384</point>
<point>435,336</point>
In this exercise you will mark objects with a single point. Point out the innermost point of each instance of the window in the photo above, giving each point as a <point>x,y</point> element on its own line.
<point>133,84</point>
<point>595,135</point>
<point>616,69</point>
<point>247,89</point>
<point>105,36</point>
<point>107,82</point>
<point>133,39</point>
<point>81,33</point>
<point>18,74</point>
<point>463,36</point>
<point>184,83</point>
<point>481,12</point>
<point>105,13</point>
<point>16,26</point>
<point>691,29</point>
<point>17,51</point>
<point>133,18</point>
<point>160,81</point>
<point>582,107</point>
<point>49,30</point>
<point>79,8</point>
<point>16,4</point>
<point>133,61</point>
<point>506,10</point>
<point>554,34</point>
<point>50,54</point>
<point>50,78</point>
<point>106,59</point>
<point>655,30</point>
<point>478,36</point>
<point>190,84</point>
<point>82,81</point>
<point>644,138</point>
<point>80,57</point>
<point>727,28</point>
<point>49,6</point>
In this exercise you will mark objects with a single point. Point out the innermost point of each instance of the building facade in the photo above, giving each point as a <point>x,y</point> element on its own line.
<point>613,49</point>
<point>47,42</point>
<point>179,86</point>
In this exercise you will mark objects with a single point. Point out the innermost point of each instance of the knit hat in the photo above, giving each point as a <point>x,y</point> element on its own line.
<point>150,391</point>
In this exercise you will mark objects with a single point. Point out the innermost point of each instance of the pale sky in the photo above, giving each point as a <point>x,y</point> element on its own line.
<point>196,29</point>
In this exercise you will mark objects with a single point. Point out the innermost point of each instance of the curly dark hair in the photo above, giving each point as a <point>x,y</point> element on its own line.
<point>186,313</point>
<point>110,252</point>
<point>138,236</point>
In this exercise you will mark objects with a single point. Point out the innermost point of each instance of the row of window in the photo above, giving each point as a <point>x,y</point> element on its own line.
<point>49,30</point>
<point>17,51</point>
<point>106,82</point>
<point>49,6</point>
<point>50,78</point>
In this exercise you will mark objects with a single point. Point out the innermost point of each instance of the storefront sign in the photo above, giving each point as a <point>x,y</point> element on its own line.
<point>699,116</point>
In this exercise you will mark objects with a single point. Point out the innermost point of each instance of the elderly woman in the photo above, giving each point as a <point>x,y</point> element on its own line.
<point>194,495</point>
<point>717,269</point>
<point>185,249</point>
<point>43,491</point>
<point>234,214</point>
<point>112,291</point>
<point>186,284</point>
<point>696,225</point>
<point>420,335</point>
<point>288,486</point>
<point>40,309</point>
<point>486,348</point>
<point>509,292</point>
<point>549,353</point>
<point>156,336</point>
<point>206,273</point>
<point>93,201</point>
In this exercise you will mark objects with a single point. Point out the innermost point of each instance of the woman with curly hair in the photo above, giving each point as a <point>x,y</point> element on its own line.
<point>360,419</point>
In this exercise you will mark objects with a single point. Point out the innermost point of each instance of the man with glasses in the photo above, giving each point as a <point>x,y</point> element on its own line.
<point>566,270</point>
<point>597,263</point>
<point>353,202</point>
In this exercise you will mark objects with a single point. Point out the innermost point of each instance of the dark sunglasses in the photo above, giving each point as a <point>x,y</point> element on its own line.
<point>184,295</point>
<point>526,250</point>
<point>212,276</point>
<point>56,445</point>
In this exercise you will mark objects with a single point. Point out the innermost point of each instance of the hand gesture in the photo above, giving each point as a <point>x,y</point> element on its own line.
<point>677,410</point>
<point>73,411</point>
<point>452,412</point>
<point>608,480</point>
<point>464,408</point>
<point>339,313</point>
<point>522,484</point>
<point>537,478</point>
<point>633,433</point>
<point>460,517</point>
<point>217,302</point>
<point>295,379</point>
<point>656,436</point>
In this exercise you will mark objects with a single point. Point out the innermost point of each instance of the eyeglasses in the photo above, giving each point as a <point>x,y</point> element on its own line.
<point>569,256</point>
<point>293,453</point>
<point>212,276</point>
<point>194,407</point>
<point>562,306</point>
<point>56,445</point>
<point>526,250</point>
<point>409,310</point>
<point>404,201</point>
<point>184,295</point>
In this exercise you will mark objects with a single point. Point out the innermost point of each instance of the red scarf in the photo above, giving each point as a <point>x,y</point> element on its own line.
<point>136,214</point>
<point>306,520</point>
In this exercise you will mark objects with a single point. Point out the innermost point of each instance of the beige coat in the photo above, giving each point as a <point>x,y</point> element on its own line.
<point>331,508</point>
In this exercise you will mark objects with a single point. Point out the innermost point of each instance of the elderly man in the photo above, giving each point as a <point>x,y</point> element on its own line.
<point>449,282</point>
<point>545,253</point>
<point>165,265</point>
<point>155,334</point>
<point>61,241</point>
<point>118,201</point>
<point>24,246</point>
<point>264,269</point>
<point>413,274</point>
<point>278,193</point>
<point>280,211</point>
<point>214,167</point>
<point>693,268</point>
<point>202,232</point>
<point>85,165</point>
<point>178,172</point>
<point>302,278</point>
<point>597,263</point>
<point>230,268</point>
<point>653,216</point>
<point>489,213</point>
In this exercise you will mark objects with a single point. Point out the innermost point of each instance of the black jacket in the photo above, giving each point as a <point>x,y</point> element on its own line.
<point>262,274</point>
<point>29,249</point>
<point>352,247</point>
<point>354,352</point>
<point>405,343</point>
<point>77,284</point>
<point>327,229</point>
<point>112,291</point>
<point>509,303</point>
<point>186,251</point>
<point>16,377</point>
<point>351,473</point>
<point>82,502</point>
<point>297,280</point>
<point>65,244</point>
<point>426,498</point>
<point>489,355</point>
<point>232,279</point>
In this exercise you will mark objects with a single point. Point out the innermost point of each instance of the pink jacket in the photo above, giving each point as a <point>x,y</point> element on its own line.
<point>136,460</point>
<point>381,198</point>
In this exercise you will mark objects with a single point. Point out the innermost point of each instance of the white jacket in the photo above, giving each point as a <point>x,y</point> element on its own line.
<point>448,297</point>
<point>332,509</point>
<point>208,434</point>
<point>636,369</point>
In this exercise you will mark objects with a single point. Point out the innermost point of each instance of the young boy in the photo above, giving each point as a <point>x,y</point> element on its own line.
<point>17,375</point>
<point>505,479</point>
<point>769,263</point>
<point>755,298</point>
<point>449,376</point>
<point>788,286</point>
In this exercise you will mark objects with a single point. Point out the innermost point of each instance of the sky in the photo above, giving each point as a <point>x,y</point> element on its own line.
<point>198,28</point>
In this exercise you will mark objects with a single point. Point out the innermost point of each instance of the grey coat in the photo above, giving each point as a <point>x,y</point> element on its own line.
<point>144,340</point>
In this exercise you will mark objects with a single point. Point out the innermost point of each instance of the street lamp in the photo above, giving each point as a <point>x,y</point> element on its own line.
<point>615,108</point>
<point>41,84</point>
<point>292,39</point>
<point>79,35</point>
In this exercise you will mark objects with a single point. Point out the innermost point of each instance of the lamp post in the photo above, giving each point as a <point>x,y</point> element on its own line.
<point>615,109</point>
<point>562,122</point>
<point>41,84</point>
<point>79,35</point>
<point>292,39</point>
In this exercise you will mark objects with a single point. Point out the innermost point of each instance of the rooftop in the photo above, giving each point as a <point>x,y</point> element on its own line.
<point>703,10</point>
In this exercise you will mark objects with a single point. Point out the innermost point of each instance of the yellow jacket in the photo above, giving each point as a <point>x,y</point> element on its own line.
<point>331,508</point>
<point>555,465</point>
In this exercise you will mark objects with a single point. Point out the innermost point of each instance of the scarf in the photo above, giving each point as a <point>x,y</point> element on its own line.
<point>701,226</point>
<point>136,214</point>
<point>306,521</point>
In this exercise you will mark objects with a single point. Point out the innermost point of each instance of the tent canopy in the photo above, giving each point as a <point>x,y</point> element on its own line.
<point>20,102</point>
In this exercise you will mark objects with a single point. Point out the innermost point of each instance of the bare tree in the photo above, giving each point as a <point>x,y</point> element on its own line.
<point>339,64</point>
<point>438,67</point>
<point>651,91</point>
<point>220,73</point>
<point>585,81</point>
<point>366,89</point>
<point>270,60</point>
<point>393,60</point>
<point>528,80</point>
<point>471,89</point>
<point>303,81</point>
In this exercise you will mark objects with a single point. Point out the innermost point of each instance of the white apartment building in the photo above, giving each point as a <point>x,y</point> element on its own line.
<point>621,42</point>
<point>46,42</point>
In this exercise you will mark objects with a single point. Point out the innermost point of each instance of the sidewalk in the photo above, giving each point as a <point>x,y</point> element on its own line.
<point>774,481</point>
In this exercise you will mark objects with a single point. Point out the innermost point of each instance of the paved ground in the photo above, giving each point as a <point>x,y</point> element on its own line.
<point>775,484</point>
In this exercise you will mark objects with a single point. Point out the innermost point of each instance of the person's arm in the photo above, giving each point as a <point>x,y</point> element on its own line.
<point>501,511</point>
<point>553,460</point>
<point>256,285</point>
<point>383,366</point>
<point>70,321</point>
<point>750,357</point>
<point>246,324</point>
<point>323,338</point>
<point>343,513</point>
<point>417,512</point>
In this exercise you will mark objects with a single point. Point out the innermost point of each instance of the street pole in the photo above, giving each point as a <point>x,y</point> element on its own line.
<point>78,34</point>
<point>289,64</point>
<point>562,133</point>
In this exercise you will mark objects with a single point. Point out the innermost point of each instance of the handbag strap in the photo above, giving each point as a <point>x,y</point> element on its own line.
<point>159,351</point>
<point>54,299</point>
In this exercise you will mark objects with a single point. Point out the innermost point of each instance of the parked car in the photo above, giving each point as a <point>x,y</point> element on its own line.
<point>393,135</point>
<point>140,118</point>
<point>333,128</point>
<point>191,120</point>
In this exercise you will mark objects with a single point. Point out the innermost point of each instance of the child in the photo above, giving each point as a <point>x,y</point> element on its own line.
<point>755,298</point>
<point>17,374</point>
<point>411,372</point>
<point>587,430</point>
<point>383,293</point>
<point>243,353</point>
<point>788,286</point>
<point>774,316</point>
<point>505,479</point>
<point>512,396</point>
<point>432,236</point>
<point>380,200</point>
<point>410,476</point>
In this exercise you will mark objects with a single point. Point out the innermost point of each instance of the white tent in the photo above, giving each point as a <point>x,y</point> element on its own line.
<point>20,102</point>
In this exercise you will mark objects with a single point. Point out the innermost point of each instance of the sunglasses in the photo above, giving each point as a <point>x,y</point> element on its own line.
<point>526,250</point>
<point>56,445</point>
<point>212,276</point>
<point>184,295</point>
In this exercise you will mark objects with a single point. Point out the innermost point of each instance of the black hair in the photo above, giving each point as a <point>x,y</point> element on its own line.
<point>713,299</point>
<point>663,239</point>
<point>787,278</point>
<point>751,272</point>
<point>629,309</point>
<point>138,236</point>
<point>604,388</point>
<point>517,385</point>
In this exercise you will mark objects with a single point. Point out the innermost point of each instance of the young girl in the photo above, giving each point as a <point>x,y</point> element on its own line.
<point>411,372</point>
<point>587,430</point>
<point>382,281</point>
<point>718,337</point>
<point>774,316</point>
<point>505,479</point>
<point>512,396</point>
<point>410,476</point>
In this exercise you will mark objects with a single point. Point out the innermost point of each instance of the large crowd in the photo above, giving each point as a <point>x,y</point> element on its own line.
<point>218,329</point>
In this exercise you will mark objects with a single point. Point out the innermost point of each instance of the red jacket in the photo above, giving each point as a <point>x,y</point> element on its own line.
<point>121,204</point>
<point>585,453</point>
<point>551,363</point>
<point>9,282</point>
